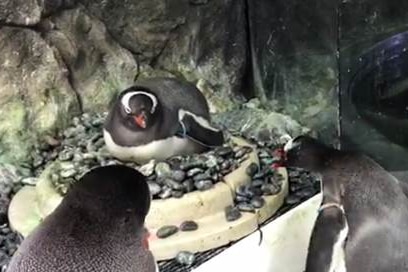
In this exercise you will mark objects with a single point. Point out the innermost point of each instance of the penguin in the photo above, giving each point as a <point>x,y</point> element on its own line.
<point>363,218</point>
<point>159,118</point>
<point>98,227</point>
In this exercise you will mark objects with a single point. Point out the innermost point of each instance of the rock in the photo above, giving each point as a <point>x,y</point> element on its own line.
<point>35,94</point>
<point>162,170</point>
<point>154,188</point>
<point>188,226</point>
<point>254,122</point>
<point>185,258</point>
<point>166,231</point>
<point>245,207</point>
<point>224,151</point>
<point>99,67</point>
<point>270,189</point>
<point>202,176</point>
<point>177,194</point>
<point>194,171</point>
<point>166,193</point>
<point>257,202</point>
<point>178,175</point>
<point>292,199</point>
<point>188,185</point>
<point>173,184</point>
<point>252,169</point>
<point>184,39</point>
<point>232,213</point>
<point>203,185</point>
<point>20,12</point>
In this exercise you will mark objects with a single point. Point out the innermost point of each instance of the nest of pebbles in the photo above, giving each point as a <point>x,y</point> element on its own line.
<point>80,147</point>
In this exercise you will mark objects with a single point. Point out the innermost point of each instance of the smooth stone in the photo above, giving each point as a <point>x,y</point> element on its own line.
<point>242,159</point>
<point>148,168</point>
<point>202,176</point>
<point>307,192</point>
<point>177,194</point>
<point>203,185</point>
<point>240,153</point>
<point>257,191</point>
<point>173,184</point>
<point>188,226</point>
<point>257,182</point>
<point>241,191</point>
<point>232,213</point>
<point>68,173</point>
<point>292,199</point>
<point>224,151</point>
<point>178,175</point>
<point>211,161</point>
<point>226,165</point>
<point>185,258</point>
<point>270,189</point>
<point>192,164</point>
<point>162,170</point>
<point>257,202</point>
<point>166,231</point>
<point>239,198</point>
<point>245,207</point>
<point>166,193</point>
<point>252,169</point>
<point>188,185</point>
<point>29,180</point>
<point>154,188</point>
<point>65,155</point>
<point>194,171</point>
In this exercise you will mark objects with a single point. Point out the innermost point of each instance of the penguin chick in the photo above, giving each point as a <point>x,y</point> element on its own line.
<point>98,227</point>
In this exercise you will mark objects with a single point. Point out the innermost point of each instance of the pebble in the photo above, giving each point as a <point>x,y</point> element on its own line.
<point>203,185</point>
<point>192,164</point>
<point>292,199</point>
<point>166,231</point>
<point>239,198</point>
<point>232,213</point>
<point>162,170</point>
<point>177,194</point>
<point>188,226</point>
<point>270,189</point>
<point>154,188</point>
<point>252,169</point>
<point>202,176</point>
<point>29,180</point>
<point>246,207</point>
<point>257,202</point>
<point>194,171</point>
<point>188,185</point>
<point>185,258</point>
<point>173,184</point>
<point>165,193</point>
<point>224,151</point>
<point>178,175</point>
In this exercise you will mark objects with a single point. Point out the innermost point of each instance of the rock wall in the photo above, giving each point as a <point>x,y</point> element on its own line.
<point>61,58</point>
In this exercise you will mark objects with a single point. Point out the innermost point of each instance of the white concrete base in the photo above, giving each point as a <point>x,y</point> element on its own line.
<point>283,248</point>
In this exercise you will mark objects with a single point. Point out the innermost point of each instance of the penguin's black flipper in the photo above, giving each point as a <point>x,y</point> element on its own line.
<point>199,130</point>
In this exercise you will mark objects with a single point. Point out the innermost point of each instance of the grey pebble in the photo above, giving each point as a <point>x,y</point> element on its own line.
<point>173,184</point>
<point>203,185</point>
<point>194,171</point>
<point>177,194</point>
<point>166,231</point>
<point>232,213</point>
<point>188,226</point>
<point>202,176</point>
<point>68,173</point>
<point>252,169</point>
<point>257,202</point>
<point>165,193</point>
<point>292,199</point>
<point>162,170</point>
<point>178,175</point>
<point>246,207</point>
<point>154,188</point>
<point>185,258</point>
<point>188,185</point>
<point>270,189</point>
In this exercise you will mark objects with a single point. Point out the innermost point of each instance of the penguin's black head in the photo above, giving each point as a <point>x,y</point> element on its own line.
<point>305,152</point>
<point>111,191</point>
<point>138,107</point>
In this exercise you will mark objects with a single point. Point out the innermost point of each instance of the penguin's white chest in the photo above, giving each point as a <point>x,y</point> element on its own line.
<point>158,150</point>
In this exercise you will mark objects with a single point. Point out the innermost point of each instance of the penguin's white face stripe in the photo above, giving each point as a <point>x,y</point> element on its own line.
<point>126,98</point>
<point>290,145</point>
<point>200,120</point>
<point>338,260</point>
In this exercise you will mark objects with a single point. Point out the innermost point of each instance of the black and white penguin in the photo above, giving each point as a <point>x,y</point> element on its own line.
<point>363,218</point>
<point>159,118</point>
<point>98,227</point>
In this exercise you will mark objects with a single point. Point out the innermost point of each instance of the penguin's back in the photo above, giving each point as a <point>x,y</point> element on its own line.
<point>176,94</point>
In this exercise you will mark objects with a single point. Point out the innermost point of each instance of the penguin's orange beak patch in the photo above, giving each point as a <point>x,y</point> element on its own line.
<point>140,120</point>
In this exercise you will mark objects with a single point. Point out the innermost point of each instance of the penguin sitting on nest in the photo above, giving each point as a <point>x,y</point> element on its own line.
<point>363,218</point>
<point>98,227</point>
<point>159,118</point>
